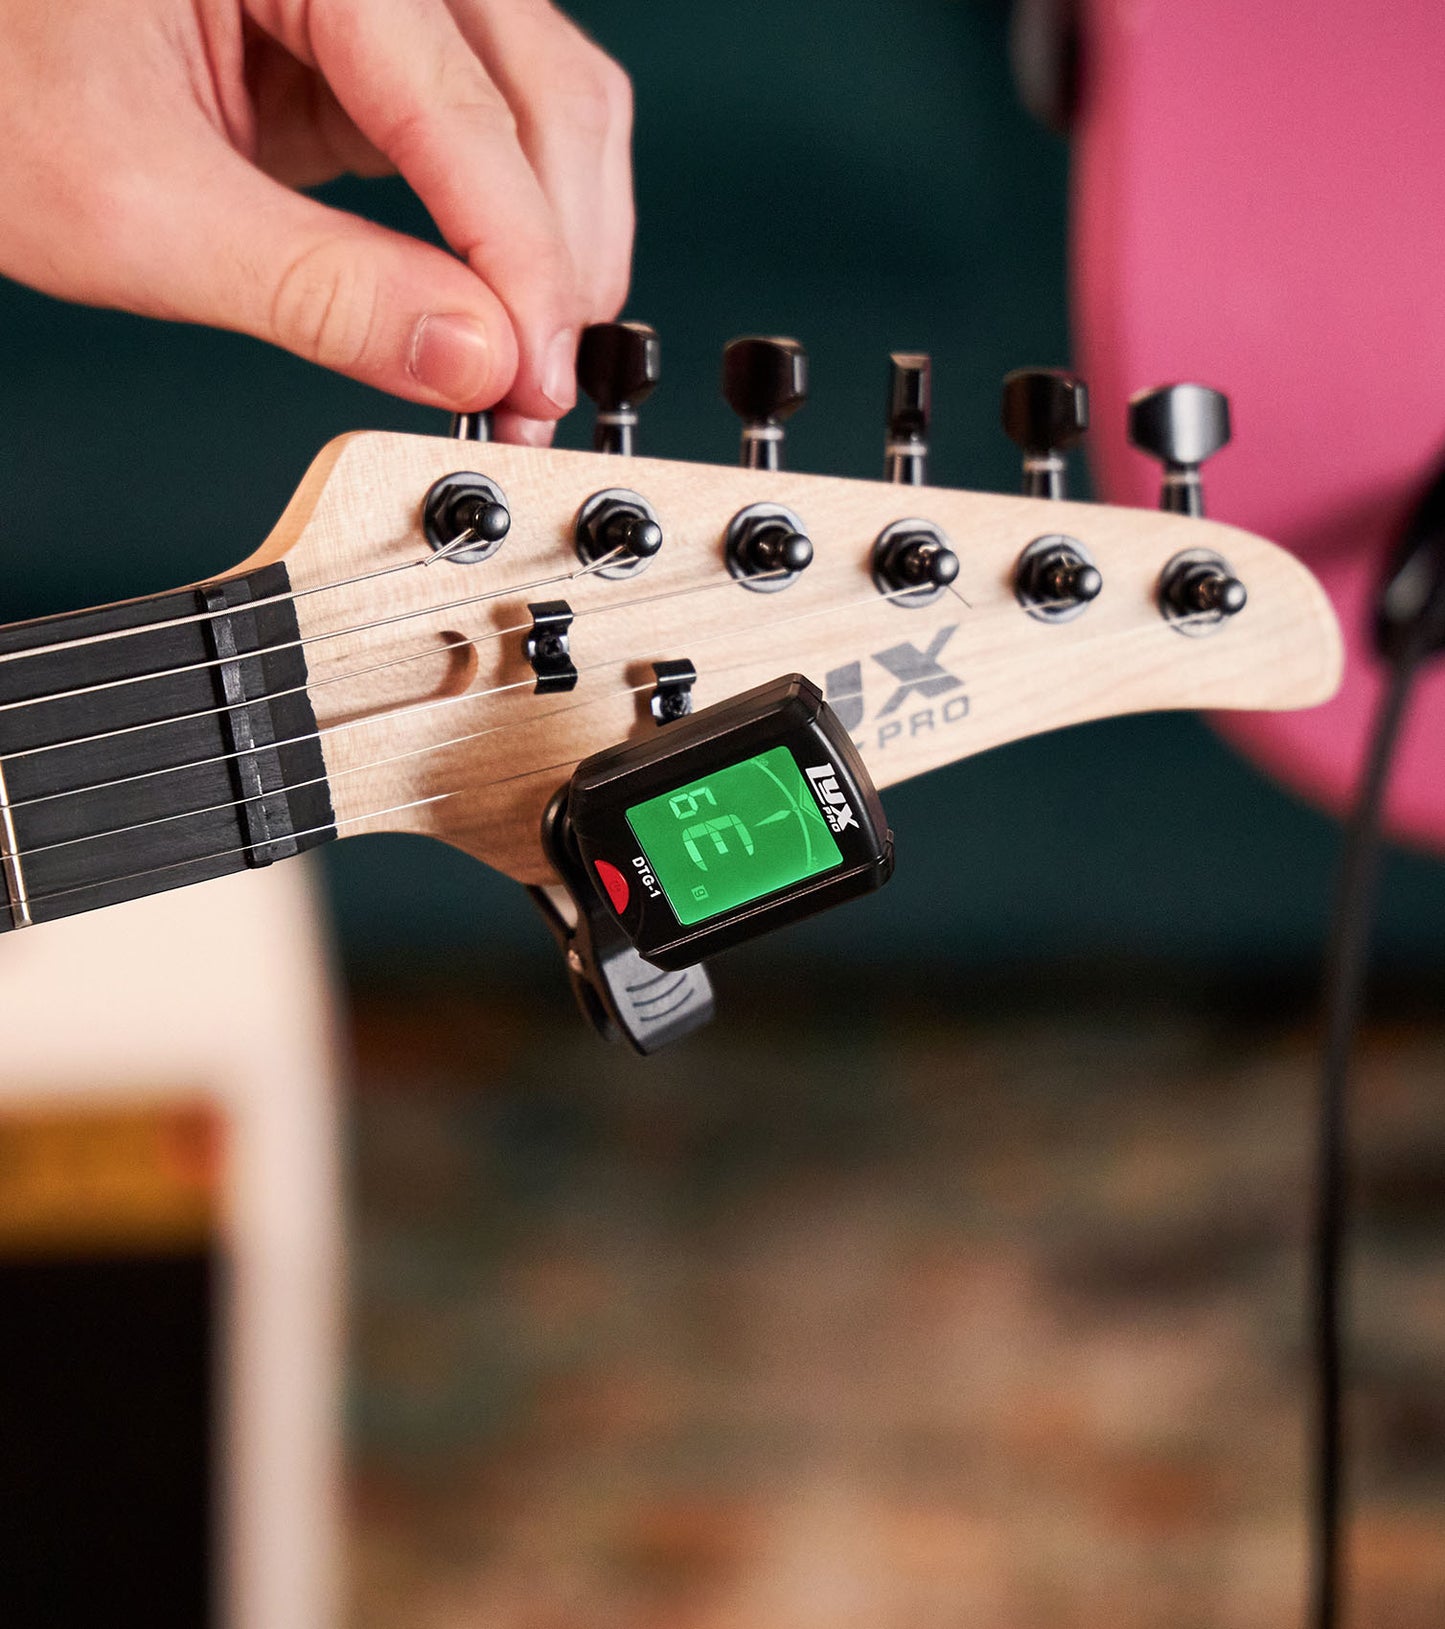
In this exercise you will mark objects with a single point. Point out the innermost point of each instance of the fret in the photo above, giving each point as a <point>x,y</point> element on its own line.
<point>172,775</point>
<point>10,862</point>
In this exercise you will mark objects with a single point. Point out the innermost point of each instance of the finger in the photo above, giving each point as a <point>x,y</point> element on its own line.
<point>215,241</point>
<point>303,135</point>
<point>574,119</point>
<point>510,426</point>
<point>416,90</point>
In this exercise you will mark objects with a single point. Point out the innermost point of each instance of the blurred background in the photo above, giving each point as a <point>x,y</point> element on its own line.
<point>956,1275</point>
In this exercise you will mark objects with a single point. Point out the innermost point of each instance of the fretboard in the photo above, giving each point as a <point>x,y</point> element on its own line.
<point>132,762</point>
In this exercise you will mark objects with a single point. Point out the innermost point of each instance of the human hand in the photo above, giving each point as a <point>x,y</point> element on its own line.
<point>151,147</point>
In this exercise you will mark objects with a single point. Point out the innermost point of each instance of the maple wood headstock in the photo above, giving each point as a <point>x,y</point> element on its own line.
<point>430,713</point>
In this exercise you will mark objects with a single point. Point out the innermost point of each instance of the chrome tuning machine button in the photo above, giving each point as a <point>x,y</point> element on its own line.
<point>1182,426</point>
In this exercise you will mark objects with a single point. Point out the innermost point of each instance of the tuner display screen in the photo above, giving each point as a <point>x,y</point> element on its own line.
<point>743,831</point>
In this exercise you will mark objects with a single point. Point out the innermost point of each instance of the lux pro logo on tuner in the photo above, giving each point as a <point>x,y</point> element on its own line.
<point>924,695</point>
<point>837,810</point>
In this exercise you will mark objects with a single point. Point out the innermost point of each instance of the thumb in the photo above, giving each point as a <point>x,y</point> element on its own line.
<point>246,253</point>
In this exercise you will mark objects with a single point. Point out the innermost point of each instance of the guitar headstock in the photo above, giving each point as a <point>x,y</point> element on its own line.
<point>925,614</point>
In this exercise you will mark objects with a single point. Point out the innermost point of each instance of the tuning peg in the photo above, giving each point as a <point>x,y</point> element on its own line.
<point>766,547</point>
<point>618,365</point>
<point>472,426</point>
<point>1055,578</point>
<point>913,561</point>
<point>618,527</point>
<point>1199,590</point>
<point>910,396</point>
<point>1044,412</point>
<point>1181,426</point>
<point>764,382</point>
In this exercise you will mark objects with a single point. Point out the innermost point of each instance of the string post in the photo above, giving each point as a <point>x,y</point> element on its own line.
<point>463,505</point>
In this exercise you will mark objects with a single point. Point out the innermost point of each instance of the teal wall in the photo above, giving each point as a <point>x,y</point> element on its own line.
<point>857,174</point>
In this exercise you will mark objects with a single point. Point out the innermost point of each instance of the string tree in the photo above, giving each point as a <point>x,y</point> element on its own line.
<point>671,698</point>
<point>547,646</point>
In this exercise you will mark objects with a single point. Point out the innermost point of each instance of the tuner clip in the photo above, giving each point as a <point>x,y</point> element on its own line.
<point>623,997</point>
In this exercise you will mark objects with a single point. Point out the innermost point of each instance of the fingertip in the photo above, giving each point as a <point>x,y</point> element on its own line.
<point>559,370</point>
<point>522,431</point>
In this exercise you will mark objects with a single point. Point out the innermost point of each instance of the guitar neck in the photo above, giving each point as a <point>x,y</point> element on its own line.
<point>360,661</point>
<point>155,743</point>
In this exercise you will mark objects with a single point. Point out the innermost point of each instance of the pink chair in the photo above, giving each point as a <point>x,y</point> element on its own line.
<point>1259,203</point>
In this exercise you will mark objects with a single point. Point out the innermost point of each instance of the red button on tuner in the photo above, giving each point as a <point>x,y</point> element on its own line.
<point>615,884</point>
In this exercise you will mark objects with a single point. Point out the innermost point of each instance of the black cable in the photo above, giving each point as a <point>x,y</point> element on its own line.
<point>1346,967</point>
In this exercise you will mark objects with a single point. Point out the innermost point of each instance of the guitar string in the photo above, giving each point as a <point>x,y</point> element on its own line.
<point>399,712</point>
<point>322,780</point>
<point>465,696</point>
<point>600,564</point>
<point>999,612</point>
<point>286,598</point>
<point>246,848</point>
<point>296,689</point>
<point>415,707</point>
<point>306,639</point>
<point>438,746</point>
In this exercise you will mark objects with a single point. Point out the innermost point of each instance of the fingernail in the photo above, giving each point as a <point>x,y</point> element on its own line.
<point>452,355</point>
<point>559,371</point>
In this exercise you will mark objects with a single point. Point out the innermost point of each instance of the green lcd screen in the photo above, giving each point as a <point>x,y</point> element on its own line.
<point>739,833</point>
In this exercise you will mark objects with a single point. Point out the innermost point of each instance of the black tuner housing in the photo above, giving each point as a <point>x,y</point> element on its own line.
<point>764,381</point>
<point>1044,411</point>
<point>623,997</point>
<point>1198,591</point>
<point>910,402</point>
<point>466,502</point>
<point>472,426</point>
<point>766,547</point>
<point>1056,578</point>
<point>913,562</point>
<point>617,519</point>
<point>618,366</point>
<point>1182,426</point>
